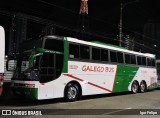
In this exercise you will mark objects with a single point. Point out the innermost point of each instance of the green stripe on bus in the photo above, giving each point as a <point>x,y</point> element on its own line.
<point>124,76</point>
<point>65,63</point>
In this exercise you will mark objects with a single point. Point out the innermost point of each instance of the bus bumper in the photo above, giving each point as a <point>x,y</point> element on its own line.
<point>31,93</point>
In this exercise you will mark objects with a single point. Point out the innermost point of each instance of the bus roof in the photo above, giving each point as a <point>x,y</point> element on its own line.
<point>108,46</point>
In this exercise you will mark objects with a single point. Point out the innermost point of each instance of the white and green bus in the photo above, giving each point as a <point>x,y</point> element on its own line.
<point>56,67</point>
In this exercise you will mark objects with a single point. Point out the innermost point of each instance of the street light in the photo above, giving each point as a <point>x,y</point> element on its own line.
<point>120,22</point>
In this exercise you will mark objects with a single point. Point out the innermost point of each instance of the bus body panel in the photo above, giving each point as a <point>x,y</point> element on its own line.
<point>149,75</point>
<point>91,81</point>
<point>2,49</point>
<point>2,56</point>
<point>99,78</point>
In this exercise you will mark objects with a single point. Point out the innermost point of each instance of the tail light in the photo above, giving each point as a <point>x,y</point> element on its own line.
<point>30,85</point>
<point>1,80</point>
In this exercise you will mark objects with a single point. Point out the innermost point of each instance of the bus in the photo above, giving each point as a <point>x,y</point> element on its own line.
<point>2,57</point>
<point>65,67</point>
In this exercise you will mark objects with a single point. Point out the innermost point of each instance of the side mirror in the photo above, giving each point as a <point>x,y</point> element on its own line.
<point>10,65</point>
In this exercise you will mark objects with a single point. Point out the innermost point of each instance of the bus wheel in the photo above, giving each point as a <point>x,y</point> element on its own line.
<point>143,87</point>
<point>71,92</point>
<point>135,87</point>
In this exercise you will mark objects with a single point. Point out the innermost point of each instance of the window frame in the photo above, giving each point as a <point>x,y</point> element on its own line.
<point>109,56</point>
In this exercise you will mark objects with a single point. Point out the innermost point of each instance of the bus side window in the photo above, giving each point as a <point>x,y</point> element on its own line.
<point>149,62</point>
<point>127,59</point>
<point>84,52</point>
<point>144,61</point>
<point>120,57</point>
<point>113,56</point>
<point>153,62</point>
<point>139,60</point>
<point>104,55</point>
<point>73,51</point>
<point>133,59</point>
<point>95,54</point>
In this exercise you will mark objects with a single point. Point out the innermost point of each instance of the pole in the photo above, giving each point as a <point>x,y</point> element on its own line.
<point>120,25</point>
<point>120,22</point>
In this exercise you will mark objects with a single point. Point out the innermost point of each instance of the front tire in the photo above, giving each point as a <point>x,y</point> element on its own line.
<point>135,87</point>
<point>71,92</point>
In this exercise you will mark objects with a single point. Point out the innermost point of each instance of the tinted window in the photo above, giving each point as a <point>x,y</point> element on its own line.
<point>127,59</point>
<point>104,55</point>
<point>59,64</point>
<point>51,66</point>
<point>149,62</point>
<point>120,57</point>
<point>113,56</point>
<point>153,62</point>
<point>84,52</point>
<point>139,62</point>
<point>95,54</point>
<point>133,59</point>
<point>73,51</point>
<point>47,68</point>
<point>53,44</point>
<point>143,60</point>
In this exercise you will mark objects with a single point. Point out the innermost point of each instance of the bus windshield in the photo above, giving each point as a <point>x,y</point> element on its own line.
<point>43,63</point>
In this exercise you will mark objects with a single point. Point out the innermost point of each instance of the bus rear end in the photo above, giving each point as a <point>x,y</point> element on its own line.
<point>2,54</point>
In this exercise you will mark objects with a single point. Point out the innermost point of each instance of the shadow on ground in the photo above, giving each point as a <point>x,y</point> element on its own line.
<point>8,99</point>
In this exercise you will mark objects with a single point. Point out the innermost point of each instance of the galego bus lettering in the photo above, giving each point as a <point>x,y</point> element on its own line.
<point>86,68</point>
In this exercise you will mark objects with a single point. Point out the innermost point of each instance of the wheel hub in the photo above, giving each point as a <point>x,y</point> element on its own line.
<point>72,92</point>
<point>135,88</point>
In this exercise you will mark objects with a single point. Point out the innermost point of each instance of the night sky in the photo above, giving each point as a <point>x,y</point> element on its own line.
<point>103,14</point>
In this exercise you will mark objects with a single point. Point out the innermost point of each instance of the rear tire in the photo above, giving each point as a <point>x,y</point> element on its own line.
<point>71,92</point>
<point>135,87</point>
<point>143,87</point>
